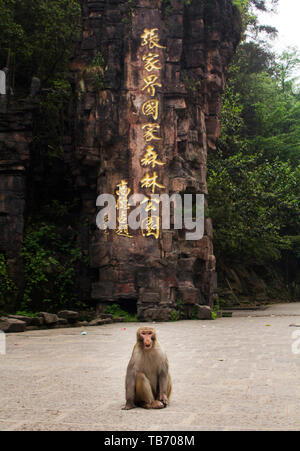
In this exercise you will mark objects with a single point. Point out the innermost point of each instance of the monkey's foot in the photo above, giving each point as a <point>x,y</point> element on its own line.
<point>155,405</point>
<point>164,400</point>
<point>128,407</point>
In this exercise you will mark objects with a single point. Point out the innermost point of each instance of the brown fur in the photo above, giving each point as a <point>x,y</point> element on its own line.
<point>148,381</point>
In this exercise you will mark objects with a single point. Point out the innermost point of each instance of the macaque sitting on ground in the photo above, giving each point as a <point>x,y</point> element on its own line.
<point>148,381</point>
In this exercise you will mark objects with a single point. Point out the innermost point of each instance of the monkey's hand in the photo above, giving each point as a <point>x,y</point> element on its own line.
<point>128,406</point>
<point>164,400</point>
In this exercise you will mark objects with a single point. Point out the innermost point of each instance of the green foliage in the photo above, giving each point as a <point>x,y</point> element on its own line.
<point>254,175</point>
<point>167,5</point>
<point>127,17</point>
<point>36,38</point>
<point>7,287</point>
<point>117,312</point>
<point>174,316</point>
<point>95,72</point>
<point>49,123</point>
<point>193,314</point>
<point>191,82</point>
<point>50,261</point>
<point>25,313</point>
<point>180,308</point>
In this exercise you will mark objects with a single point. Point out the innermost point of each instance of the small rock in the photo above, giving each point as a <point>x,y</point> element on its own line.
<point>11,324</point>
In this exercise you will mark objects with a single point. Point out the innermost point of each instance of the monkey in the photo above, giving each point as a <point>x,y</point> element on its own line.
<point>148,381</point>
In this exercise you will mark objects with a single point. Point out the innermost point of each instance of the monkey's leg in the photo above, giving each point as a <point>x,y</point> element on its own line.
<point>143,393</point>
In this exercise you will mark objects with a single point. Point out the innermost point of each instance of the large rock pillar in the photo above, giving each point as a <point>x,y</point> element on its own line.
<point>148,77</point>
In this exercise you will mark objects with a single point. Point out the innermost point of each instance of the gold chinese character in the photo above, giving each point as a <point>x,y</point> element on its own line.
<point>122,206</point>
<point>123,231</point>
<point>151,38</point>
<point>150,182</point>
<point>123,189</point>
<point>150,204</point>
<point>152,62</point>
<point>150,84</point>
<point>150,226</point>
<point>150,108</point>
<point>150,157</point>
<point>149,132</point>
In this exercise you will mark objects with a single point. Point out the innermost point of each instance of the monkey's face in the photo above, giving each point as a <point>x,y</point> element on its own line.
<point>147,338</point>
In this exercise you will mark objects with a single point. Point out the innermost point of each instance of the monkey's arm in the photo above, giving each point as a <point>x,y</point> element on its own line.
<point>163,382</point>
<point>130,387</point>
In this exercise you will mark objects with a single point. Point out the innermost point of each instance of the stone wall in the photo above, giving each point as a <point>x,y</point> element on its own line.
<point>15,140</point>
<point>104,144</point>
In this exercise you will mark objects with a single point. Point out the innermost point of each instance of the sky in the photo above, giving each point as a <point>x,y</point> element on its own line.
<point>287,22</point>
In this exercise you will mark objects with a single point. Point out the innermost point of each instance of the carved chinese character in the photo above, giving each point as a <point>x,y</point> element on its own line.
<point>149,130</point>
<point>122,206</point>
<point>150,84</point>
<point>151,158</point>
<point>150,226</point>
<point>152,62</point>
<point>123,190</point>
<point>150,108</point>
<point>151,204</point>
<point>123,232</point>
<point>150,182</point>
<point>151,38</point>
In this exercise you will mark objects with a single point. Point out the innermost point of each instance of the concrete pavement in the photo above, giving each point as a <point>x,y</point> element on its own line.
<point>236,373</point>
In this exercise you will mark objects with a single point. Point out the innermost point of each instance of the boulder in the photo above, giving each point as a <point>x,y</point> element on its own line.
<point>49,318</point>
<point>204,312</point>
<point>11,324</point>
<point>30,321</point>
<point>62,322</point>
<point>69,315</point>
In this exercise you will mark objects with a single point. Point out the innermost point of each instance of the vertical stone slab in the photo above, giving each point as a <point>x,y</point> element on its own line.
<point>16,123</point>
<point>192,48</point>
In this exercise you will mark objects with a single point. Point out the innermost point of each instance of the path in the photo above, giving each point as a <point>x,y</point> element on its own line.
<point>228,374</point>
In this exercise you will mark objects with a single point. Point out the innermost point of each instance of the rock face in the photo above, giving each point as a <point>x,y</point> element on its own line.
<point>148,77</point>
<point>15,140</point>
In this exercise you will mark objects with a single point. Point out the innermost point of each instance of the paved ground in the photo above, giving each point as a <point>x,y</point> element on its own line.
<point>234,373</point>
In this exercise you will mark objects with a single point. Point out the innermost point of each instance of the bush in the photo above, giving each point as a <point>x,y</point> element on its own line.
<point>50,263</point>
<point>7,286</point>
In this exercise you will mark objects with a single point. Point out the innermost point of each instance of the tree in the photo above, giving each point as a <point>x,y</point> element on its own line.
<point>254,175</point>
<point>36,38</point>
